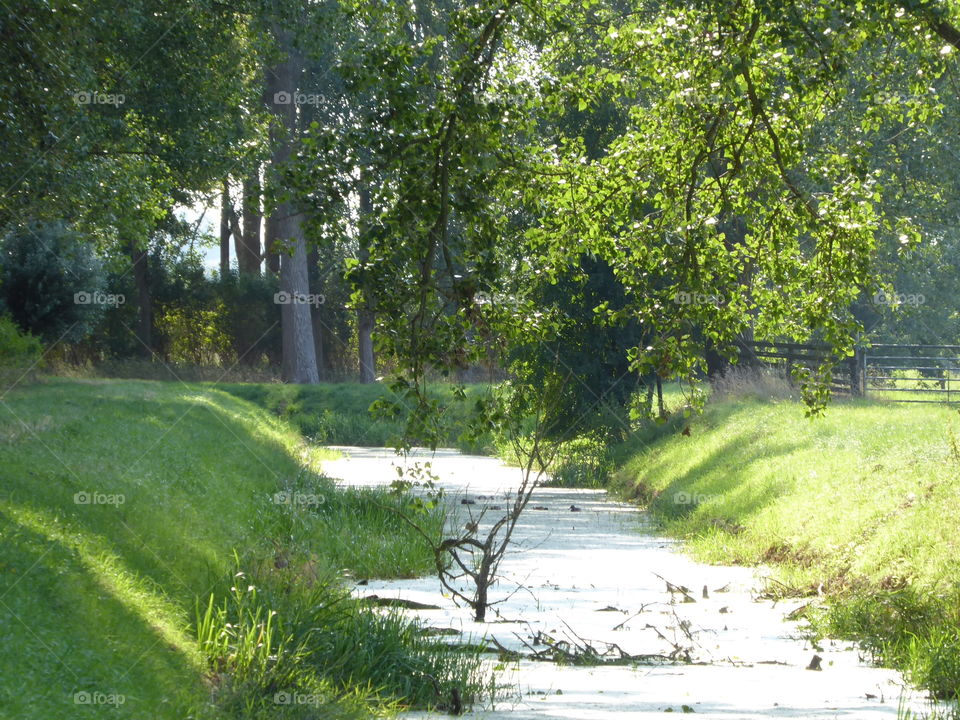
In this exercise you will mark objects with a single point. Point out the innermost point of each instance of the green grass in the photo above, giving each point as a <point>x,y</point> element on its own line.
<point>589,461</point>
<point>338,413</point>
<point>124,506</point>
<point>903,385</point>
<point>860,505</point>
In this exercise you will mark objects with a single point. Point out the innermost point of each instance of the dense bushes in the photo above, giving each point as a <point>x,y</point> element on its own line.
<point>20,353</point>
<point>197,318</point>
<point>17,347</point>
<point>51,282</point>
<point>159,303</point>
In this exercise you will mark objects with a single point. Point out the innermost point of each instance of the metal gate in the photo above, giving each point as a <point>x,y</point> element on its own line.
<point>898,373</point>
<point>913,373</point>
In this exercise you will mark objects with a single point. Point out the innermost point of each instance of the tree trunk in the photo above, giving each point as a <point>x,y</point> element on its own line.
<point>365,317</point>
<point>299,352</point>
<point>480,609</point>
<point>269,244</point>
<point>237,233</point>
<point>316,316</point>
<point>717,364</point>
<point>248,244</point>
<point>484,580</point>
<point>661,410</point>
<point>225,230</point>
<point>318,343</point>
<point>141,277</point>
<point>271,86</point>
<point>368,367</point>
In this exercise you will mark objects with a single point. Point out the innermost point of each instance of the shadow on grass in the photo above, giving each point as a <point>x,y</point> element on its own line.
<point>83,633</point>
<point>711,488</point>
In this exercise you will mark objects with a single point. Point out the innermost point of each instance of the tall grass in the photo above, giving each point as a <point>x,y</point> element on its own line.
<point>346,527</point>
<point>312,644</point>
<point>339,414</point>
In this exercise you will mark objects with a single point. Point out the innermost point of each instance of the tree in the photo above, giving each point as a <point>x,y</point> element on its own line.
<point>723,206</point>
<point>51,283</point>
<point>583,345</point>
<point>283,86</point>
<point>115,128</point>
<point>428,137</point>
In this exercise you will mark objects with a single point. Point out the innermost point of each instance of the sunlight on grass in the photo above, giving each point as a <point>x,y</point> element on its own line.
<point>123,503</point>
<point>854,506</point>
<point>137,595</point>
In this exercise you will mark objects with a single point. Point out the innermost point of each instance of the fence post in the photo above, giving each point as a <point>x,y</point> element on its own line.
<point>858,371</point>
<point>864,380</point>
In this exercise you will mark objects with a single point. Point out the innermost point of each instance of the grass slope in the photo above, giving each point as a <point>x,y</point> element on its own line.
<point>124,505</point>
<point>338,413</point>
<point>860,505</point>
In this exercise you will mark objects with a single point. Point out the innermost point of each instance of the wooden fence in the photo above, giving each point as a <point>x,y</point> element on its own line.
<point>848,373</point>
<point>901,373</point>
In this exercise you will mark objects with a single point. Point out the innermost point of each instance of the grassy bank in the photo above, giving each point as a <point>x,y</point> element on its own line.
<point>169,551</point>
<point>857,510</point>
<point>338,413</point>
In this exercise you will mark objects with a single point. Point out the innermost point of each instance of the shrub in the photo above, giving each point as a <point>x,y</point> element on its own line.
<point>51,282</point>
<point>20,353</point>
<point>250,317</point>
<point>16,346</point>
<point>583,462</point>
<point>196,336</point>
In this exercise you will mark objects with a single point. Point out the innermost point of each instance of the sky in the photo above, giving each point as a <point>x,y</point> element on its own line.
<point>209,225</point>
